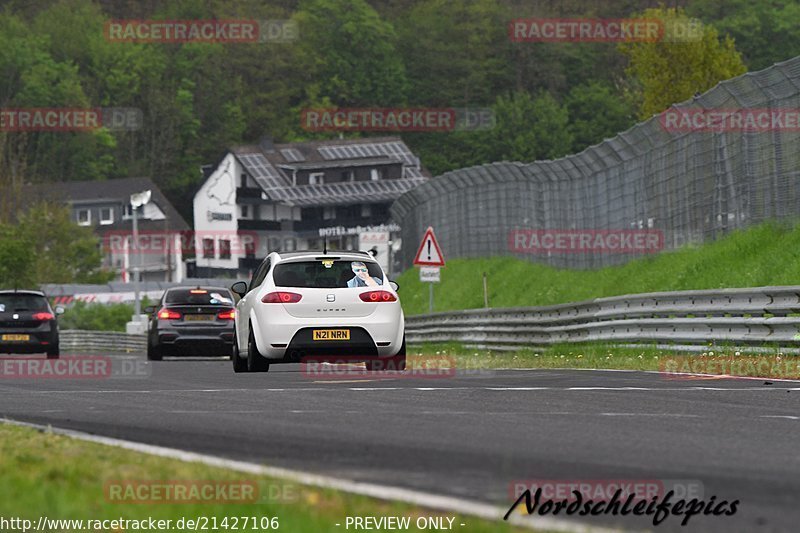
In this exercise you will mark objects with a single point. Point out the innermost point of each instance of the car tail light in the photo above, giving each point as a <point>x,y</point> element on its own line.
<point>281,297</point>
<point>227,315</point>
<point>44,315</point>
<point>377,296</point>
<point>166,314</point>
<point>198,291</point>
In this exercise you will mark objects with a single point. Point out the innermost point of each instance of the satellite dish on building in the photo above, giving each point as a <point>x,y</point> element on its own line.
<point>140,198</point>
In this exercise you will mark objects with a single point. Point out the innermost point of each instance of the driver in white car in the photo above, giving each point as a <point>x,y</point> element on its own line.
<point>362,277</point>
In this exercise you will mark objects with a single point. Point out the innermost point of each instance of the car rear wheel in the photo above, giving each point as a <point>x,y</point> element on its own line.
<point>396,362</point>
<point>239,364</point>
<point>154,353</point>
<point>255,361</point>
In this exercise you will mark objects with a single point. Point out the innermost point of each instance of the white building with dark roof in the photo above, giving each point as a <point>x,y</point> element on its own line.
<point>289,196</point>
<point>104,205</point>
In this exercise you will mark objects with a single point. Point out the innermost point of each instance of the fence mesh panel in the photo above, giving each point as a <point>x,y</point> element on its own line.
<point>692,186</point>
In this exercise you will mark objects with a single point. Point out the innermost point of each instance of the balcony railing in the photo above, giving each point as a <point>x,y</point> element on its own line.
<point>263,225</point>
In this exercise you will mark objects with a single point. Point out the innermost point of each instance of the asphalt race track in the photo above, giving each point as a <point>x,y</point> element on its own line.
<point>468,436</point>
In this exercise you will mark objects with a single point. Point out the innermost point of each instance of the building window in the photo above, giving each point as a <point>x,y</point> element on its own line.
<point>366,210</point>
<point>245,211</point>
<point>250,250</point>
<point>84,217</point>
<point>289,245</point>
<point>328,213</point>
<point>348,175</point>
<point>243,180</point>
<point>106,216</point>
<point>316,178</point>
<point>376,174</point>
<point>209,251</point>
<point>224,249</point>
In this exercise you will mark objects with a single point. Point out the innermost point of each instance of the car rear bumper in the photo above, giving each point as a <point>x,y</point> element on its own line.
<point>291,342</point>
<point>197,341</point>
<point>39,340</point>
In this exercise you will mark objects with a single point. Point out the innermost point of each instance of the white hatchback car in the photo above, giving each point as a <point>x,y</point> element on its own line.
<point>335,306</point>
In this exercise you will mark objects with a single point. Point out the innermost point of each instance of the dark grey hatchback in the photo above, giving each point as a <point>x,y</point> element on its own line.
<point>27,323</point>
<point>188,321</point>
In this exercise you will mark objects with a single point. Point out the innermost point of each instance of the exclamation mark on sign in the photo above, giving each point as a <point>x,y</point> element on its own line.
<point>429,250</point>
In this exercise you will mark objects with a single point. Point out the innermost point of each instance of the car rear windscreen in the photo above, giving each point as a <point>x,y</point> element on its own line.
<point>15,303</point>
<point>328,274</point>
<point>199,297</point>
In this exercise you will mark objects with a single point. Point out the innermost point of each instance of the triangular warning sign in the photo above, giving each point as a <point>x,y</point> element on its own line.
<point>429,253</point>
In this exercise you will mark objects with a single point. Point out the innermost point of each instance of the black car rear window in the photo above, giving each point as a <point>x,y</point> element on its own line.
<point>327,274</point>
<point>14,303</point>
<point>199,297</point>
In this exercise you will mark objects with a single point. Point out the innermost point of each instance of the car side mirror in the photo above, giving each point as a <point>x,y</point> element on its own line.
<point>150,309</point>
<point>394,285</point>
<point>60,310</point>
<point>240,288</point>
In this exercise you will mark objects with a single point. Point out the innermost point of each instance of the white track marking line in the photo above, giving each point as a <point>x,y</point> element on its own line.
<point>787,417</point>
<point>18,392</point>
<point>671,415</point>
<point>381,492</point>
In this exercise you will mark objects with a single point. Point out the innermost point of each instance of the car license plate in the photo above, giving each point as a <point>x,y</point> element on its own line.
<point>331,335</point>
<point>18,338</point>
<point>198,318</point>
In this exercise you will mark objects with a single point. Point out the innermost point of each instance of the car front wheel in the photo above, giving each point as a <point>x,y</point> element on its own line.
<point>255,361</point>
<point>239,364</point>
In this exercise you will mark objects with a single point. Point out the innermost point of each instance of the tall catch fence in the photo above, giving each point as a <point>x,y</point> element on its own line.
<point>653,187</point>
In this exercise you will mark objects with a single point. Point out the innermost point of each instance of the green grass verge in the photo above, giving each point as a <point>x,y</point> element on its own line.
<point>64,478</point>
<point>588,356</point>
<point>768,254</point>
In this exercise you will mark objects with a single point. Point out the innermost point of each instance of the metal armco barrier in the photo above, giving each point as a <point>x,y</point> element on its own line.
<point>101,342</point>
<point>746,316</point>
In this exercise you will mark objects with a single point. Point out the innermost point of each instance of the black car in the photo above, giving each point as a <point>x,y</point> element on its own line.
<point>188,321</point>
<point>28,323</point>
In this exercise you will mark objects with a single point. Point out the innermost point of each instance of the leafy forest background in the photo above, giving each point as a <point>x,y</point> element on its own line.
<point>550,99</point>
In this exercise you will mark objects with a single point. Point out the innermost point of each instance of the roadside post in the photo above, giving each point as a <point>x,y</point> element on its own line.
<point>136,201</point>
<point>430,260</point>
<point>485,292</point>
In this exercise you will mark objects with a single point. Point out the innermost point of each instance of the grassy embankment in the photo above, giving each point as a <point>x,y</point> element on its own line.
<point>63,478</point>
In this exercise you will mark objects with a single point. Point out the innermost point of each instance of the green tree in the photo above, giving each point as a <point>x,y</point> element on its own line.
<point>456,53</point>
<point>528,128</point>
<point>348,54</point>
<point>17,259</point>
<point>64,252</point>
<point>596,112</point>
<point>764,32</point>
<point>668,71</point>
